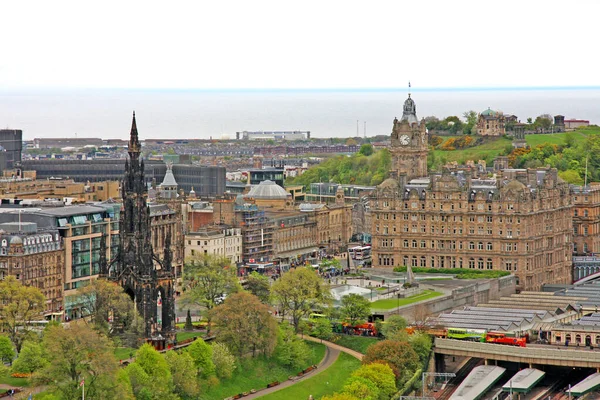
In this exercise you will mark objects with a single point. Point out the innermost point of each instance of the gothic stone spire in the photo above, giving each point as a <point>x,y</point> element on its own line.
<point>134,143</point>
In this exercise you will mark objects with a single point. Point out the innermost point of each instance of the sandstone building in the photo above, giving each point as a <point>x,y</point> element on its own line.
<point>518,221</point>
<point>491,123</point>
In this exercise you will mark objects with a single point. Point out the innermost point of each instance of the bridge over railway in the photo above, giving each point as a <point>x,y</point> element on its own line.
<point>532,355</point>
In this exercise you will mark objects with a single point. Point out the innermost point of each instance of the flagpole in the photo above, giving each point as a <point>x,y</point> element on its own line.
<point>83,390</point>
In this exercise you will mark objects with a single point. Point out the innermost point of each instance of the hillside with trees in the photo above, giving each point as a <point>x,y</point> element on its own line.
<point>566,151</point>
<point>363,168</point>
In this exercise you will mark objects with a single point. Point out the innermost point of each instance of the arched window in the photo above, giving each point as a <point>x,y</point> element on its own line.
<point>489,264</point>
<point>480,263</point>
<point>471,263</point>
<point>471,245</point>
<point>490,246</point>
<point>480,246</point>
<point>578,338</point>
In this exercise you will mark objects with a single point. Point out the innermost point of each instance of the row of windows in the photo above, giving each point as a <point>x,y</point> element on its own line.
<point>446,262</point>
<point>447,218</point>
<point>454,230</point>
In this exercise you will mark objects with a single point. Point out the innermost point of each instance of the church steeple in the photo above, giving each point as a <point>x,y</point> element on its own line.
<point>134,142</point>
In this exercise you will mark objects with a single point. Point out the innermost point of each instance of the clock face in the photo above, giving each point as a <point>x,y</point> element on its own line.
<point>404,140</point>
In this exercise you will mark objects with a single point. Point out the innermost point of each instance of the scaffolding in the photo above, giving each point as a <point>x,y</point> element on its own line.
<point>257,234</point>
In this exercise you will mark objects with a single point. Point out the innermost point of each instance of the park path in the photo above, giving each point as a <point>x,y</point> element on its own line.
<point>331,355</point>
<point>331,345</point>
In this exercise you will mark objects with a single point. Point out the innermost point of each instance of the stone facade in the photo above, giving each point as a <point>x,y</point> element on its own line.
<point>148,279</point>
<point>409,144</point>
<point>519,222</point>
<point>36,258</point>
<point>223,241</point>
<point>491,123</point>
<point>586,220</point>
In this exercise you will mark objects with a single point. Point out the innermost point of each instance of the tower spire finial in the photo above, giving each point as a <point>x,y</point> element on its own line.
<point>408,89</point>
<point>134,143</point>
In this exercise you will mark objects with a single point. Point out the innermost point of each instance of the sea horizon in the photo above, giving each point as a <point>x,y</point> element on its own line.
<point>187,113</point>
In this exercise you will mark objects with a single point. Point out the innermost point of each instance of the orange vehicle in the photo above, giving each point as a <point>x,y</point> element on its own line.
<point>502,338</point>
<point>366,329</point>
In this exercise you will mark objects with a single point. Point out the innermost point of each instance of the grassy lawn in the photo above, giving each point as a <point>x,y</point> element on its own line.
<point>256,373</point>
<point>186,335</point>
<point>17,382</point>
<point>490,149</point>
<point>387,304</point>
<point>123,353</point>
<point>357,343</point>
<point>553,138</point>
<point>324,383</point>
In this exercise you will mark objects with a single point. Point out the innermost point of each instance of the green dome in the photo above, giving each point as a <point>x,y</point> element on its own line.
<point>489,112</point>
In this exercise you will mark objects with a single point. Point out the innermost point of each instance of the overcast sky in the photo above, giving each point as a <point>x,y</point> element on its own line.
<point>299,44</point>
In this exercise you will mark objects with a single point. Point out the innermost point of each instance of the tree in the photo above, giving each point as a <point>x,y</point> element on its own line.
<point>245,324</point>
<point>188,321</point>
<point>224,361</point>
<point>291,350</point>
<point>394,328</point>
<point>201,354</point>
<point>470,117</point>
<point>421,344</point>
<point>258,285</point>
<point>355,308</point>
<point>207,279</point>
<point>150,375</point>
<point>351,142</point>
<point>361,388</point>
<point>366,149</point>
<point>79,353</point>
<point>31,358</point>
<point>19,306</point>
<point>184,373</point>
<point>543,122</point>
<point>381,375</point>
<point>298,291</point>
<point>7,354</point>
<point>104,301</point>
<point>341,396</point>
<point>321,328</point>
<point>400,355</point>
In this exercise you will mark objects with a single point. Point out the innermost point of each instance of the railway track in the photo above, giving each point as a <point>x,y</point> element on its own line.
<point>460,376</point>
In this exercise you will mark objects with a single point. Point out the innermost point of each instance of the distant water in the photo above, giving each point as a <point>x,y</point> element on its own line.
<point>203,114</point>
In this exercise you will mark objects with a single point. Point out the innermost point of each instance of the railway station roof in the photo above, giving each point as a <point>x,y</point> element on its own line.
<point>587,385</point>
<point>478,382</point>
<point>524,380</point>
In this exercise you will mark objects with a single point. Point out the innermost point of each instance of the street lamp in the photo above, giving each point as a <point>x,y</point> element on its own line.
<point>398,295</point>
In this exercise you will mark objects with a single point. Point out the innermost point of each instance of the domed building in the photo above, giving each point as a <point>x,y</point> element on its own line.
<point>269,194</point>
<point>491,123</point>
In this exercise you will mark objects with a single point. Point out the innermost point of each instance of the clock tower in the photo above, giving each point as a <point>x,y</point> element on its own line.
<point>409,144</point>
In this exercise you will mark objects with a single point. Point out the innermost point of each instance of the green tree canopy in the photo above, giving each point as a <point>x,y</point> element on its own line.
<point>381,375</point>
<point>366,149</point>
<point>31,358</point>
<point>79,353</point>
<point>394,328</point>
<point>184,373</point>
<point>150,375</point>
<point>291,350</point>
<point>19,306</point>
<point>201,354</point>
<point>400,355</point>
<point>355,308</point>
<point>298,291</point>
<point>361,388</point>
<point>7,352</point>
<point>258,285</point>
<point>245,324</point>
<point>207,279</point>
<point>224,361</point>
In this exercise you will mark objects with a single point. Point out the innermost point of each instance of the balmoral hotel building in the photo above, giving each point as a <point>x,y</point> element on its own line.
<point>520,220</point>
